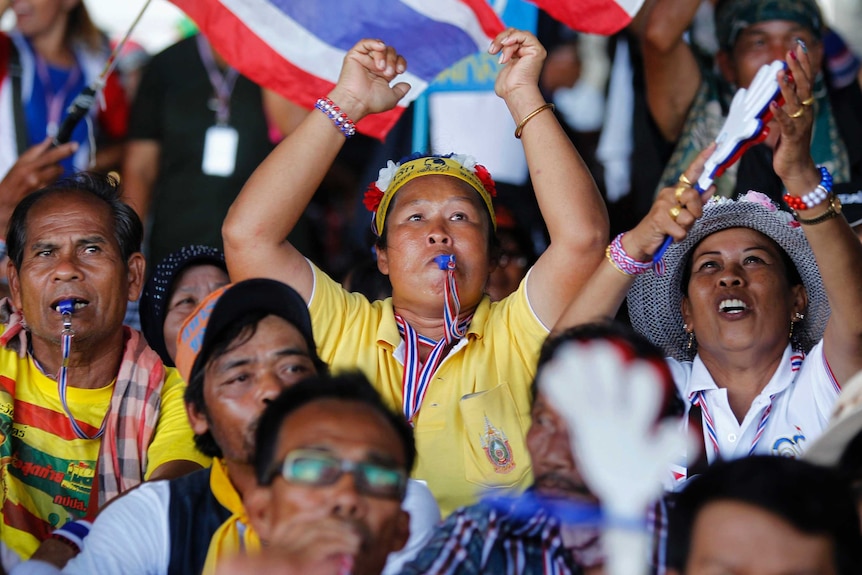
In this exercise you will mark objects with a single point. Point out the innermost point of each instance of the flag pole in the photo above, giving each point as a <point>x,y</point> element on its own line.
<point>84,101</point>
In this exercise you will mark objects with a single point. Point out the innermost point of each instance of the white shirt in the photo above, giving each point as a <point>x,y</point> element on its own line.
<point>801,394</point>
<point>131,535</point>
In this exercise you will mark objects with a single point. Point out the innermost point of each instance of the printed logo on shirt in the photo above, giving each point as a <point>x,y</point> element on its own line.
<point>497,448</point>
<point>790,446</point>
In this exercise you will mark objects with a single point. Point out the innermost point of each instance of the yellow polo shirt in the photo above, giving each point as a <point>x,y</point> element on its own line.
<point>471,427</point>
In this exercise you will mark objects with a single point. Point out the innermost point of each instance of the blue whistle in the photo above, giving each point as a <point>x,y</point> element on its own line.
<point>446,262</point>
<point>66,307</point>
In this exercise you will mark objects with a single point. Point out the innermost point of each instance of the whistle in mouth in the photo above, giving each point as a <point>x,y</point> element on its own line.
<point>66,308</point>
<point>446,262</point>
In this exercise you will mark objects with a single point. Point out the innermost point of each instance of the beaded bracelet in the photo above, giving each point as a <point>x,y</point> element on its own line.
<point>339,118</point>
<point>617,255</point>
<point>815,197</point>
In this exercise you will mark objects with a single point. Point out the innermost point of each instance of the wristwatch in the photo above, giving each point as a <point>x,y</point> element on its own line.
<point>833,211</point>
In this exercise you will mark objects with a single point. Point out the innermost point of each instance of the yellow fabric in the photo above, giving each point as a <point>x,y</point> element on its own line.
<point>46,471</point>
<point>174,438</point>
<point>430,166</point>
<point>489,375</point>
<point>234,535</point>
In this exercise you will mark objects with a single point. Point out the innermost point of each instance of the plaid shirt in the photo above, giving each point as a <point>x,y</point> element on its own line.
<point>503,541</point>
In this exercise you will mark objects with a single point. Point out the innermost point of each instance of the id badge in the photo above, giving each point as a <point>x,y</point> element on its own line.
<point>220,148</point>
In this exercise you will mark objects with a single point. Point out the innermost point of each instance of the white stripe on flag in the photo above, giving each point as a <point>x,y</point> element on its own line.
<point>455,13</point>
<point>630,6</point>
<point>297,45</point>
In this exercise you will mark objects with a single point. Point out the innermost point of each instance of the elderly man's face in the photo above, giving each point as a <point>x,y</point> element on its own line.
<point>71,252</point>
<point>351,526</point>
<point>554,468</point>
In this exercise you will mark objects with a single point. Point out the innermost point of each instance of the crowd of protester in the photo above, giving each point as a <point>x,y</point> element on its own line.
<point>300,400</point>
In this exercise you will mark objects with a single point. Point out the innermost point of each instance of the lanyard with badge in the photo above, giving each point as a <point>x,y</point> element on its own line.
<point>54,101</point>
<point>222,140</point>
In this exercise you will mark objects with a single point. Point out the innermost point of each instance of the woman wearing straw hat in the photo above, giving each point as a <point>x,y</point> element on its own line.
<point>743,307</point>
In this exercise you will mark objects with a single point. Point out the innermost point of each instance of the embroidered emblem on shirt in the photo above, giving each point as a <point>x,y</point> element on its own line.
<point>497,448</point>
<point>790,446</point>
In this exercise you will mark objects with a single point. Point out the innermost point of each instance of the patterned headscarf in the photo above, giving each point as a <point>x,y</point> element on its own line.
<point>734,16</point>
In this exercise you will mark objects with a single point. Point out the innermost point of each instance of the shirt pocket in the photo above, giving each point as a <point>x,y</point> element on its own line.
<point>495,454</point>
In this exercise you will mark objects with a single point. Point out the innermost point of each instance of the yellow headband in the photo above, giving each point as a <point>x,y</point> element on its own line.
<point>431,166</point>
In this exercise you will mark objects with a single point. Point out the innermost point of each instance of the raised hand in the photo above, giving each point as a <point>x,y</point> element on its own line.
<point>523,56</point>
<point>364,83</point>
<point>792,154</point>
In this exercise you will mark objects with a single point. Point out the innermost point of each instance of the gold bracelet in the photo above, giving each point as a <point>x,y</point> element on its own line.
<point>530,116</point>
<point>613,263</point>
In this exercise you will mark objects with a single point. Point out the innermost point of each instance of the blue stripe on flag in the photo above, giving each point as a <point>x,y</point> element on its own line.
<point>341,24</point>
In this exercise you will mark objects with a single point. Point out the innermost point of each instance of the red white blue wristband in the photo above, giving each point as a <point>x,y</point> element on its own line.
<point>617,255</point>
<point>339,118</point>
<point>815,197</point>
<point>73,533</point>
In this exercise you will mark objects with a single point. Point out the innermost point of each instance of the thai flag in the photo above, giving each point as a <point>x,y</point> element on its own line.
<point>593,16</point>
<point>296,47</point>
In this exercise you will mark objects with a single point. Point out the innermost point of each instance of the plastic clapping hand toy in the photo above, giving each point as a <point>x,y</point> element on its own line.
<point>611,405</point>
<point>746,125</point>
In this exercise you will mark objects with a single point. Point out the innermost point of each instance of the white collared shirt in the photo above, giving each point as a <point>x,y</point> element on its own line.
<point>801,392</point>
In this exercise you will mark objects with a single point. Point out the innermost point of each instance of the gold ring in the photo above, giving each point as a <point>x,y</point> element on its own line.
<point>677,194</point>
<point>797,113</point>
<point>808,101</point>
<point>684,180</point>
<point>674,212</point>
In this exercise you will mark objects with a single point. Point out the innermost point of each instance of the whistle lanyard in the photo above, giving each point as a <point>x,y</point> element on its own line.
<point>417,375</point>
<point>55,101</point>
<point>222,84</point>
<point>699,398</point>
<point>63,376</point>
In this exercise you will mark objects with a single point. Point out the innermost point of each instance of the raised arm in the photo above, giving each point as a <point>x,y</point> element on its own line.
<point>671,71</point>
<point>602,296</point>
<point>571,205</point>
<point>279,190</point>
<point>836,248</point>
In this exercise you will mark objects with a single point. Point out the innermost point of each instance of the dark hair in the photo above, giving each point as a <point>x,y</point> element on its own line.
<point>128,230</point>
<point>234,336</point>
<point>352,387</point>
<point>631,343</point>
<point>812,499</point>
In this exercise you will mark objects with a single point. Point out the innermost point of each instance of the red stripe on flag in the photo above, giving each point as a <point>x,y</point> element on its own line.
<point>485,15</point>
<point>592,16</point>
<point>49,420</point>
<point>257,61</point>
<point>19,517</point>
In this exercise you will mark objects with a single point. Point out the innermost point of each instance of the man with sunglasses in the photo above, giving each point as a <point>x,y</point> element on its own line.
<point>332,463</point>
<point>238,350</point>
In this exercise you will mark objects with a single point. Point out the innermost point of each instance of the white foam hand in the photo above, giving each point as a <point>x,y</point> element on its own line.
<point>611,406</point>
<point>745,122</point>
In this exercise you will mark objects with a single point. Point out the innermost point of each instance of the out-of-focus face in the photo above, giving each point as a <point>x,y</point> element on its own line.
<point>512,266</point>
<point>36,17</point>
<point>71,253</point>
<point>190,288</point>
<point>554,469</point>
<point>432,216</point>
<point>738,297</point>
<point>763,43</point>
<point>354,526</point>
<point>239,384</point>
<point>731,537</point>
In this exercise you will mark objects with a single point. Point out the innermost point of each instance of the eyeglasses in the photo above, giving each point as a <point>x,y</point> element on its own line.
<point>309,467</point>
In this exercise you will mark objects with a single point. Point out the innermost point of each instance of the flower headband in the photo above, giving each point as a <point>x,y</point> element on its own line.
<point>392,178</point>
